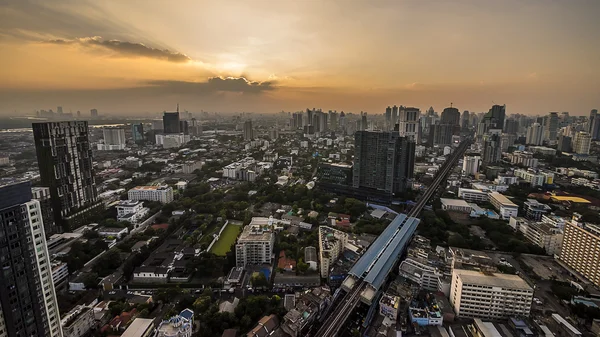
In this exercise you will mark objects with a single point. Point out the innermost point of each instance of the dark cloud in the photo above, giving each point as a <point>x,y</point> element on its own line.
<point>214,84</point>
<point>125,48</point>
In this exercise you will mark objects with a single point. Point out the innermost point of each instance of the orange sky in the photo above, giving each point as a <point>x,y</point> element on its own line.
<point>125,57</point>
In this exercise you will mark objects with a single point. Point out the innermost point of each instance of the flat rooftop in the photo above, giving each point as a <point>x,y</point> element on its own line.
<point>454,202</point>
<point>501,198</point>
<point>506,281</point>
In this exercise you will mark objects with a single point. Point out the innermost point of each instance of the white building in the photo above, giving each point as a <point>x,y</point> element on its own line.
<point>472,195</point>
<point>113,232</point>
<point>132,211</point>
<point>582,142</point>
<point>523,158</point>
<point>78,321</point>
<point>114,139</point>
<point>191,166</point>
<point>60,272</point>
<point>172,140</point>
<point>503,205</point>
<point>456,205</point>
<point>181,325</point>
<point>506,180</point>
<point>331,245</point>
<point>388,306</point>
<point>163,194</point>
<point>475,294</point>
<point>543,235</point>
<point>533,178</point>
<point>535,134</point>
<point>255,243</point>
<point>408,122</point>
<point>471,164</point>
<point>140,327</point>
<point>421,272</point>
<point>310,257</point>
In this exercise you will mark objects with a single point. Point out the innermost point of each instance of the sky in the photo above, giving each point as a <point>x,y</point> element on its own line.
<point>145,56</point>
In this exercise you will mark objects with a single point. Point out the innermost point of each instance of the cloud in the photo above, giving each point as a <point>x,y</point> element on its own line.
<point>125,48</point>
<point>214,84</point>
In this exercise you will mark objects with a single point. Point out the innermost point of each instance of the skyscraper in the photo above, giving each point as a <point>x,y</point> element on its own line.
<point>94,113</point>
<point>582,142</point>
<point>465,120</point>
<point>492,149</point>
<point>383,161</point>
<point>28,305</point>
<point>511,126</point>
<point>248,131</point>
<point>593,115</point>
<point>309,116</point>
<point>363,121</point>
<point>495,117</point>
<point>394,117</point>
<point>594,123</point>
<point>450,116</point>
<point>408,122</point>
<point>388,118</point>
<point>333,121</point>
<point>534,134</point>
<point>564,143</point>
<point>137,132</point>
<point>471,164</point>
<point>114,139</point>
<point>448,126</point>
<point>551,127</point>
<point>65,163</point>
<point>171,122</point>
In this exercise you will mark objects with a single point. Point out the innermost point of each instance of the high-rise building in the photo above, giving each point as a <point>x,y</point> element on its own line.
<point>408,122</point>
<point>255,244</point>
<point>477,294</point>
<point>448,126</point>
<point>42,194</point>
<point>309,116</point>
<point>494,119</point>
<point>492,149</point>
<point>331,246</point>
<point>137,132</point>
<point>195,127</point>
<point>333,121</point>
<point>551,127</point>
<point>65,163</point>
<point>594,124</point>
<point>535,134</point>
<point>582,142</point>
<point>564,143</point>
<point>465,120</point>
<point>383,161</point>
<point>471,164</point>
<point>450,116</point>
<point>114,139</point>
<point>184,127</point>
<point>298,120</point>
<point>28,305</point>
<point>94,113</point>
<point>394,117</point>
<point>248,130</point>
<point>363,121</point>
<point>511,126</point>
<point>581,248</point>
<point>593,115</point>
<point>388,118</point>
<point>171,122</point>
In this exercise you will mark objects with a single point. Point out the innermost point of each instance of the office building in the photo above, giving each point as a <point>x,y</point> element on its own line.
<point>195,127</point>
<point>255,244</point>
<point>523,158</point>
<point>331,245</point>
<point>582,142</point>
<point>184,127</point>
<point>94,113</point>
<point>171,122</point>
<point>248,131</point>
<point>78,322</point>
<point>442,134</point>
<point>465,120</point>
<point>511,126</point>
<point>473,195</point>
<point>506,208</point>
<point>408,123</point>
<point>494,119</point>
<point>551,127</point>
<point>564,143</point>
<point>114,139</point>
<point>163,194</point>
<point>593,125</point>
<point>471,164</point>
<point>581,248</point>
<point>137,132</point>
<point>28,305</point>
<point>534,134</point>
<point>65,163</point>
<point>535,209</point>
<point>476,294</point>
<point>450,116</point>
<point>383,161</point>
<point>172,140</point>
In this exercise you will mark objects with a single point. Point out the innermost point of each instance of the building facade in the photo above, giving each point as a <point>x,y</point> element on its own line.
<point>28,305</point>
<point>582,142</point>
<point>474,294</point>
<point>163,194</point>
<point>331,245</point>
<point>65,163</point>
<point>114,139</point>
<point>581,249</point>
<point>255,245</point>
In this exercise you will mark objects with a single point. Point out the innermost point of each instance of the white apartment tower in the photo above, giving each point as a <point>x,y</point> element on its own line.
<point>582,142</point>
<point>255,245</point>
<point>471,164</point>
<point>331,245</point>
<point>408,121</point>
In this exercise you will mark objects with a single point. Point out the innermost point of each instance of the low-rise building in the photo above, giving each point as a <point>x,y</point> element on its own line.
<point>532,177</point>
<point>543,235</point>
<point>308,307</point>
<point>255,243</point>
<point>472,195</point>
<point>181,325</point>
<point>424,311</point>
<point>114,232</point>
<point>190,166</point>
<point>388,306</point>
<point>535,209</point>
<point>78,322</point>
<point>132,211</point>
<point>265,327</point>
<point>140,327</point>
<point>151,274</point>
<point>310,257</point>
<point>503,205</point>
<point>476,294</point>
<point>163,194</point>
<point>456,205</point>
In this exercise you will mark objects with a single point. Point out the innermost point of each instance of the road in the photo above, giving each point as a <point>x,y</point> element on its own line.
<point>335,320</point>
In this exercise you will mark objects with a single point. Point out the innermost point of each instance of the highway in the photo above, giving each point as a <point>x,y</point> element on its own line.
<point>334,322</point>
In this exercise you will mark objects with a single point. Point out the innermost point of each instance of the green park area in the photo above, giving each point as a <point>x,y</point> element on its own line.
<point>227,238</point>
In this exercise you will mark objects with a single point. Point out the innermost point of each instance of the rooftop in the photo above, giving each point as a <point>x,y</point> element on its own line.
<point>454,202</point>
<point>501,198</point>
<point>506,281</point>
<point>138,327</point>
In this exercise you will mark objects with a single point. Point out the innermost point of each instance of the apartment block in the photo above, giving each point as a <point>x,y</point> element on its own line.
<point>543,235</point>
<point>581,249</point>
<point>505,207</point>
<point>163,194</point>
<point>331,245</point>
<point>476,294</point>
<point>255,245</point>
<point>472,195</point>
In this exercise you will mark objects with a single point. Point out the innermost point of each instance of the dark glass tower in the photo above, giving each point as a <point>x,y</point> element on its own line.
<point>65,162</point>
<point>171,122</point>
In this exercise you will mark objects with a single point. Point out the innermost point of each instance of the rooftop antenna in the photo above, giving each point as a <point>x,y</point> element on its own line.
<point>450,104</point>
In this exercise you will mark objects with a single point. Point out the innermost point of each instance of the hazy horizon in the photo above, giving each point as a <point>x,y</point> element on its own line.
<point>266,56</point>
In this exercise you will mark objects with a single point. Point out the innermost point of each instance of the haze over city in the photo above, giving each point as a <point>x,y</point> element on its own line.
<point>266,56</point>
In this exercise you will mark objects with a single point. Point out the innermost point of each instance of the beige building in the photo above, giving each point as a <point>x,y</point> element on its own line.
<point>581,249</point>
<point>331,245</point>
<point>255,244</point>
<point>477,294</point>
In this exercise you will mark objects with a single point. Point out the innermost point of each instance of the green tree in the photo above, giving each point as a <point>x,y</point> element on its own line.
<point>259,280</point>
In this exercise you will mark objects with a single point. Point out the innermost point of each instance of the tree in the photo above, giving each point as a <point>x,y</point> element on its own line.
<point>90,280</point>
<point>301,266</point>
<point>259,280</point>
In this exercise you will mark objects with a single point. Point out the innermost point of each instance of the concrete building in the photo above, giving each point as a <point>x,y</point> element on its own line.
<point>171,122</point>
<point>533,178</point>
<point>190,166</point>
<point>476,294</point>
<point>408,123</point>
<point>172,140</point>
<point>114,139</point>
<point>181,325</point>
<point>472,195</point>
<point>388,306</point>
<point>535,134</point>
<point>523,158</point>
<point>331,245</point>
<point>581,248</point>
<point>255,244</point>
<point>248,130</point>
<point>535,209</point>
<point>28,305</point>
<point>66,167</point>
<point>310,257</point>
<point>78,322</point>
<point>163,194</point>
<point>582,143</point>
<point>543,235</point>
<point>503,205</point>
<point>456,205</point>
<point>140,327</point>
<point>132,211</point>
<point>471,164</point>
<point>60,272</point>
<point>42,194</point>
<point>137,133</point>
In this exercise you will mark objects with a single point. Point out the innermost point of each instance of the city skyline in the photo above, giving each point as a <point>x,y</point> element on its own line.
<point>265,57</point>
